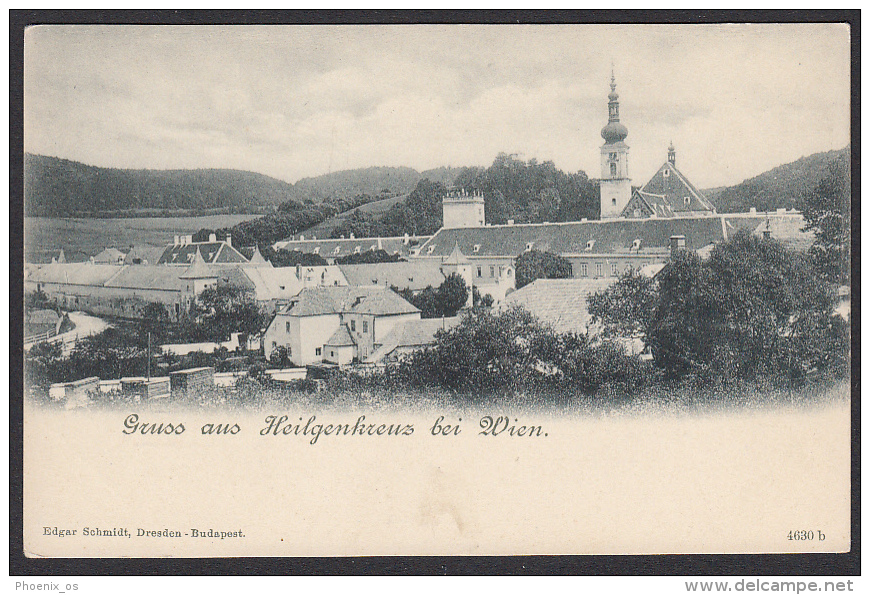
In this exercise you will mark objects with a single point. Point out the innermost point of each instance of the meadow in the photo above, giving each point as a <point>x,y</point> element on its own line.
<point>44,236</point>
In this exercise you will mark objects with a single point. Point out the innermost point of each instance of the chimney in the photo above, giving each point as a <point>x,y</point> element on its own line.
<point>299,272</point>
<point>212,237</point>
<point>510,221</point>
<point>677,243</point>
<point>301,238</point>
<point>752,211</point>
<point>405,239</point>
<point>230,239</point>
<point>175,241</point>
<point>352,236</point>
<point>188,239</point>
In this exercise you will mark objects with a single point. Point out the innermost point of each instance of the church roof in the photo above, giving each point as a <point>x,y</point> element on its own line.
<point>669,193</point>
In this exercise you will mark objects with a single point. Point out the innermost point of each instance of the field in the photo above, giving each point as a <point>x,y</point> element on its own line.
<point>80,238</point>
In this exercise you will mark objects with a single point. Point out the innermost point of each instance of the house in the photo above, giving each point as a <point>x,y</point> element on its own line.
<point>182,251</point>
<point>144,254</point>
<point>410,336</point>
<point>605,247</point>
<point>110,256</point>
<point>559,303</point>
<point>416,275</point>
<point>344,321</point>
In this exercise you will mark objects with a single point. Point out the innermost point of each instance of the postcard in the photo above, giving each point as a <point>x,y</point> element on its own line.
<point>437,290</point>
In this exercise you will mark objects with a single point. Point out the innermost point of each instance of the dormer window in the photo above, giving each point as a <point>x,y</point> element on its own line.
<point>529,246</point>
<point>431,249</point>
<point>373,248</point>
<point>590,244</point>
<point>686,200</point>
<point>476,248</point>
<point>337,250</point>
<point>666,173</point>
<point>356,250</point>
<point>635,245</point>
<point>317,250</point>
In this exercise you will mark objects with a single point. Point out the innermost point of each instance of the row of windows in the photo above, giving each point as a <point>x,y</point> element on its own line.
<point>599,269</point>
<point>365,326</point>
<point>492,271</point>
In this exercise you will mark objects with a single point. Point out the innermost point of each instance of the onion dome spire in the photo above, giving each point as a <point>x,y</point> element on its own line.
<point>614,131</point>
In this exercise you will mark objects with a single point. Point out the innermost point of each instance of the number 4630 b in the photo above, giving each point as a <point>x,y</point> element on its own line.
<point>805,535</point>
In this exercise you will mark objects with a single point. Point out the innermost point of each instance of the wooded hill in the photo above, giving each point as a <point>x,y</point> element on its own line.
<point>780,187</point>
<point>63,188</point>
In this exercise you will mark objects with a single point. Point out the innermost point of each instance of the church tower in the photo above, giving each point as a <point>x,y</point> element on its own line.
<point>615,183</point>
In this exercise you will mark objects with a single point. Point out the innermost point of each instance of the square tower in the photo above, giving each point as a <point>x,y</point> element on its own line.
<point>462,209</point>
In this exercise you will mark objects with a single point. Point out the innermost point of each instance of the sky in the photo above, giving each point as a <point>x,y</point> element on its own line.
<point>300,101</point>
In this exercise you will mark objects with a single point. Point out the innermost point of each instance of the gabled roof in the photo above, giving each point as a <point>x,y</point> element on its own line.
<point>412,334</point>
<point>271,283</point>
<point>561,303</point>
<point>109,255</point>
<point>318,301</point>
<point>341,338</point>
<point>149,277</point>
<point>666,193</point>
<point>78,273</point>
<point>414,275</point>
<point>144,254</point>
<point>212,253</point>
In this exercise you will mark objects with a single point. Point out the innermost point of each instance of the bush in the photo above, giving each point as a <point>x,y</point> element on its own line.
<point>512,351</point>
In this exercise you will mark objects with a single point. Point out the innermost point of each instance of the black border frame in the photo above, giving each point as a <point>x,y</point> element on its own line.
<point>846,564</point>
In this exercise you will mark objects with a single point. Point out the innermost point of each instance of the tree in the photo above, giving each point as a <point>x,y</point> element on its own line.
<point>292,258</point>
<point>626,308</point>
<point>755,308</point>
<point>534,264</point>
<point>223,309</point>
<point>155,320</point>
<point>38,300</point>
<point>445,301</point>
<point>451,296</point>
<point>827,212</point>
<point>369,257</point>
